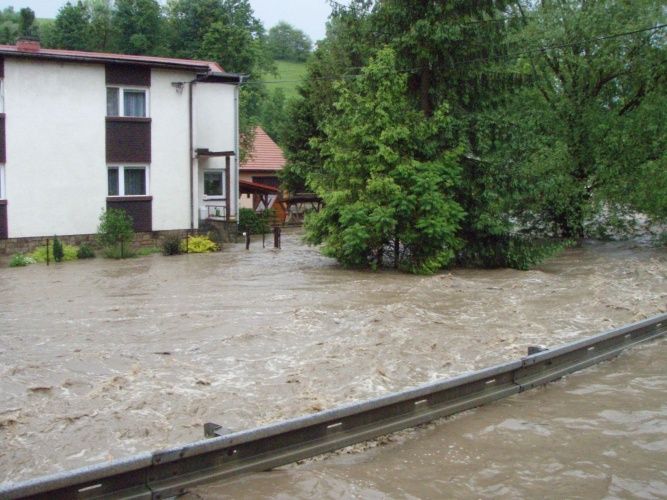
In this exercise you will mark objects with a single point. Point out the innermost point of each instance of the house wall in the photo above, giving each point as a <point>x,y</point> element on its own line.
<point>55,171</point>
<point>170,165</point>
<point>56,128</point>
<point>214,129</point>
<point>245,200</point>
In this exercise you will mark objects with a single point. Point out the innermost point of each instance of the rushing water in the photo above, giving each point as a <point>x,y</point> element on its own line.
<point>601,433</point>
<point>101,359</point>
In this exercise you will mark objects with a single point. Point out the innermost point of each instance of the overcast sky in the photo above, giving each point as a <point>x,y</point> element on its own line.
<point>308,15</point>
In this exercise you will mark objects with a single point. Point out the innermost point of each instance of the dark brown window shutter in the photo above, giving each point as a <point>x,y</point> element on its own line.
<point>140,208</point>
<point>128,140</point>
<point>128,74</point>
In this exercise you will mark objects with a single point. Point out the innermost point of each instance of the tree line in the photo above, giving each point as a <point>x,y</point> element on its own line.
<point>486,133</point>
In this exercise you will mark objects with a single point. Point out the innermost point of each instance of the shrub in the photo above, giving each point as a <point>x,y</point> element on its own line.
<point>513,251</point>
<point>198,244</point>
<point>171,245</point>
<point>253,222</point>
<point>85,251</point>
<point>39,254</point>
<point>58,253</point>
<point>115,230</point>
<point>20,260</point>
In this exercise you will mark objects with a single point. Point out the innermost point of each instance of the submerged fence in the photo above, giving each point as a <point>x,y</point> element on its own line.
<point>173,471</point>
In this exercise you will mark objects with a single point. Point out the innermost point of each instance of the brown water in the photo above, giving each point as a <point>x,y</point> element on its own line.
<point>102,359</point>
<point>601,433</point>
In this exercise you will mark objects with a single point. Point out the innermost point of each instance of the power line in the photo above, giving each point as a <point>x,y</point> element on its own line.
<point>514,55</point>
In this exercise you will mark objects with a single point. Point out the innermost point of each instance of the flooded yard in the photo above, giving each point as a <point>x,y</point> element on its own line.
<point>101,359</point>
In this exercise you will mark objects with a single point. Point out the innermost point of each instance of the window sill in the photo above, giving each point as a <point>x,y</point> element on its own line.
<point>130,198</point>
<point>128,119</point>
<point>214,198</point>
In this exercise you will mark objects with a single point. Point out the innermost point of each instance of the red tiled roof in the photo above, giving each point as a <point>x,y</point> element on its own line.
<point>265,155</point>
<point>102,57</point>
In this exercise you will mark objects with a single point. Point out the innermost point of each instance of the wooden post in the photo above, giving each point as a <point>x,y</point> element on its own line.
<point>247,240</point>
<point>47,251</point>
<point>227,188</point>
<point>276,237</point>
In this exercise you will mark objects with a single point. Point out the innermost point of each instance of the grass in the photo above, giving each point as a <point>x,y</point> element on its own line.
<point>147,251</point>
<point>292,73</point>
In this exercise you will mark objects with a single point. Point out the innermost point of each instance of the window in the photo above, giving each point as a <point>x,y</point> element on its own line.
<point>127,102</point>
<point>214,182</point>
<point>2,182</point>
<point>127,181</point>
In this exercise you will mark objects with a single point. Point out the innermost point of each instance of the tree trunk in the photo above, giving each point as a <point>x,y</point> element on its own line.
<point>425,89</point>
<point>397,248</point>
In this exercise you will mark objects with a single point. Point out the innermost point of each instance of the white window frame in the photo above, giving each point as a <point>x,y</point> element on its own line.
<point>121,180</point>
<point>3,193</point>
<point>223,173</point>
<point>121,100</point>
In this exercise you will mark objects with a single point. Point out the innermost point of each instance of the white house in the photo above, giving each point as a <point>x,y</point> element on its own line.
<point>83,131</point>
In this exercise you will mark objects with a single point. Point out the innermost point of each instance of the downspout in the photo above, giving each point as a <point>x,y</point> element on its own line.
<point>237,148</point>
<point>191,154</point>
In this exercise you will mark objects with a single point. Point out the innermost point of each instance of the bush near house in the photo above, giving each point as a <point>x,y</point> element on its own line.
<point>85,252</point>
<point>115,233</point>
<point>20,260</point>
<point>171,245</point>
<point>253,222</point>
<point>198,244</point>
<point>58,252</point>
<point>69,253</point>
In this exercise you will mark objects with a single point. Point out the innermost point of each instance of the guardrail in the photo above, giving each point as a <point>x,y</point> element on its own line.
<point>172,471</point>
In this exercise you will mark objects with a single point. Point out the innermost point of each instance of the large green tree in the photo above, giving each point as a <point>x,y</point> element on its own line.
<point>9,25</point>
<point>287,43</point>
<point>340,56</point>
<point>102,32</point>
<point>27,25</point>
<point>598,72</point>
<point>71,28</point>
<point>138,26</point>
<point>387,181</point>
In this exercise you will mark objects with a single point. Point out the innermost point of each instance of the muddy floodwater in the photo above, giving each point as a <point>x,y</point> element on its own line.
<point>600,433</point>
<point>102,359</point>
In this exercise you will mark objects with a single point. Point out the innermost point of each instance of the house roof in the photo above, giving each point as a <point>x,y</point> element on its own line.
<point>247,187</point>
<point>265,154</point>
<point>33,50</point>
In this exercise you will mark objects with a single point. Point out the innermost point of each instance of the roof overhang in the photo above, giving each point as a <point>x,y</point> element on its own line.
<point>206,153</point>
<point>217,77</point>
<point>206,71</point>
<point>247,187</point>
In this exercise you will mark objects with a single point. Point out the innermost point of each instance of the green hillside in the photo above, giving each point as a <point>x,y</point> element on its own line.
<point>289,76</point>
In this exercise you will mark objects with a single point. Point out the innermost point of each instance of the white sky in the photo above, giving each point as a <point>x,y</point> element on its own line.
<point>307,15</point>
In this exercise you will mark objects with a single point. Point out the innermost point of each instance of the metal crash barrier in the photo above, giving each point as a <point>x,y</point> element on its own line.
<point>173,471</point>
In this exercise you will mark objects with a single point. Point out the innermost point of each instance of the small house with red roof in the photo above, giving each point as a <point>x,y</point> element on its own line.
<point>259,182</point>
<point>83,131</point>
